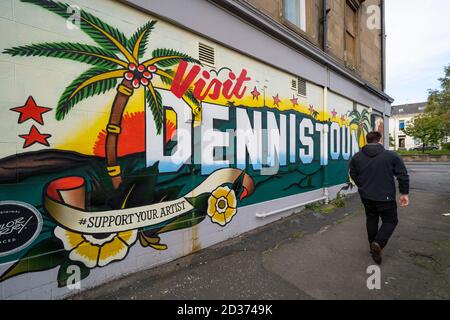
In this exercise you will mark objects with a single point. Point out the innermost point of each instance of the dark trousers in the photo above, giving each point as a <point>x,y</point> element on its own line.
<point>375,210</point>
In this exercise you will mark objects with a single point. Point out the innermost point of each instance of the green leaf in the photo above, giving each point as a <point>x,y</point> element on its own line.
<point>89,23</point>
<point>189,95</point>
<point>166,80</point>
<point>364,114</point>
<point>187,220</point>
<point>142,32</point>
<point>176,57</point>
<point>366,128</point>
<point>156,107</point>
<point>199,202</point>
<point>140,193</point>
<point>168,194</point>
<point>355,114</point>
<point>237,184</point>
<point>65,104</point>
<point>63,274</point>
<point>45,255</point>
<point>66,50</point>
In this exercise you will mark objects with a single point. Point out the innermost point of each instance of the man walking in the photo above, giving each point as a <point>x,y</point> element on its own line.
<point>373,170</point>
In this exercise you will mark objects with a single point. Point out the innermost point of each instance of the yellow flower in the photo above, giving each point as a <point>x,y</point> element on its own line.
<point>222,205</point>
<point>96,250</point>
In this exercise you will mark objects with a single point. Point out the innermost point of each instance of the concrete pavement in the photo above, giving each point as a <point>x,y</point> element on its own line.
<point>321,253</point>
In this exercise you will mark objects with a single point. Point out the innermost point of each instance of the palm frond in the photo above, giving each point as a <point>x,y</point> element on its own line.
<point>166,76</point>
<point>154,100</point>
<point>106,36</point>
<point>355,114</point>
<point>138,41</point>
<point>168,57</point>
<point>365,128</point>
<point>189,95</point>
<point>72,51</point>
<point>92,82</point>
<point>365,117</point>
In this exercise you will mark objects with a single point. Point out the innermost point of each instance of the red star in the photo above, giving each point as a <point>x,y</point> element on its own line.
<point>34,136</point>
<point>276,100</point>
<point>294,101</point>
<point>31,111</point>
<point>334,113</point>
<point>343,118</point>
<point>255,93</point>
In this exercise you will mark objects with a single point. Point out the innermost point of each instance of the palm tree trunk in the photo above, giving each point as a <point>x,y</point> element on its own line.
<point>113,130</point>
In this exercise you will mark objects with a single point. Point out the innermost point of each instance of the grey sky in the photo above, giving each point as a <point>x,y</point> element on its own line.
<point>418,47</point>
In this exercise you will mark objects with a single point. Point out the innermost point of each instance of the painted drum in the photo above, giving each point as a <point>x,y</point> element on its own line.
<point>20,224</point>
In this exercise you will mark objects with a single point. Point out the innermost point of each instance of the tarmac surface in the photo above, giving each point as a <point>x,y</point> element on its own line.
<point>320,253</point>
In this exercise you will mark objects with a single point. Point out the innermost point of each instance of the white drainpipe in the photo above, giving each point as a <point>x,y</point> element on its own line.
<point>298,205</point>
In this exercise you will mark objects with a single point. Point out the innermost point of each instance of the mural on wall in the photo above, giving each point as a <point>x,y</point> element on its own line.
<point>182,143</point>
<point>362,121</point>
<point>377,121</point>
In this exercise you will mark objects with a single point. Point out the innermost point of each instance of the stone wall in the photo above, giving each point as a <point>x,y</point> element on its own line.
<point>367,51</point>
<point>427,158</point>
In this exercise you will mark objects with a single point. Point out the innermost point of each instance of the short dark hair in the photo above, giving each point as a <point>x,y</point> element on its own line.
<point>373,137</point>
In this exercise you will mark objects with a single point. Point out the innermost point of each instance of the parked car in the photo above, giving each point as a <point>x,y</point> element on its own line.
<point>427,148</point>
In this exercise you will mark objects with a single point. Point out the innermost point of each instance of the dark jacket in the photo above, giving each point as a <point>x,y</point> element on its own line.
<point>373,170</point>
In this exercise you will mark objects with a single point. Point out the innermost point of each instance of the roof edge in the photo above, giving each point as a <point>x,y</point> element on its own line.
<point>251,15</point>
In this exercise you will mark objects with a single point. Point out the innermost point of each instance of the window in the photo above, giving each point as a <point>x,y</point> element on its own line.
<point>401,124</point>
<point>295,13</point>
<point>351,28</point>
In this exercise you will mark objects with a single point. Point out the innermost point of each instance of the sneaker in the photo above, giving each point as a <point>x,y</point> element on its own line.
<point>375,251</point>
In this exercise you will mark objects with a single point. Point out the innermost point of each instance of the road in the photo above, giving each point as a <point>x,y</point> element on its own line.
<point>316,254</point>
<point>430,177</point>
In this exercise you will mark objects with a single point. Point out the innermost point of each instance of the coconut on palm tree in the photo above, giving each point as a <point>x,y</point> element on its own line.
<point>115,59</point>
<point>362,121</point>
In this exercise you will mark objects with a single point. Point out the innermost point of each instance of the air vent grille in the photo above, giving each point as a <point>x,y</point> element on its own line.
<point>294,84</point>
<point>301,86</point>
<point>206,55</point>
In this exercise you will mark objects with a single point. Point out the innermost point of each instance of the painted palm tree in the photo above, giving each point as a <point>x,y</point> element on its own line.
<point>314,113</point>
<point>116,58</point>
<point>362,121</point>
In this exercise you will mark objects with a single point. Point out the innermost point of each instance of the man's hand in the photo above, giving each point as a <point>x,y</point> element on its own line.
<point>404,200</point>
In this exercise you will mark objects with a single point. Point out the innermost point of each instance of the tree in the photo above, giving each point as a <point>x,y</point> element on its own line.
<point>427,128</point>
<point>115,58</point>
<point>362,121</point>
<point>439,101</point>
